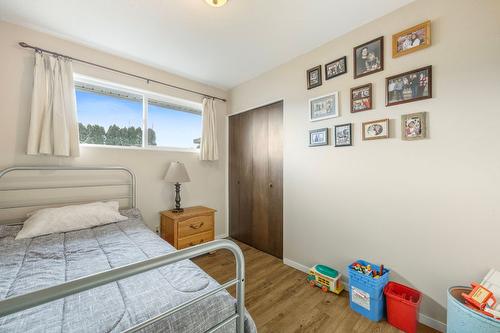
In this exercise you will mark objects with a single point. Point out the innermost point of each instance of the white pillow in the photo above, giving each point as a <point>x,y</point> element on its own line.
<point>68,218</point>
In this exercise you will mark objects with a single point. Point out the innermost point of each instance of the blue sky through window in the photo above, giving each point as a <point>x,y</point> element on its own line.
<point>173,128</point>
<point>107,110</point>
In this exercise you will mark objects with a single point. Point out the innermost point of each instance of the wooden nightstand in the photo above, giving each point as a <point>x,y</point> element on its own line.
<point>195,225</point>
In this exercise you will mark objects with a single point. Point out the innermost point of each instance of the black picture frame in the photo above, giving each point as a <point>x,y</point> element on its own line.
<point>388,99</point>
<point>317,144</point>
<point>368,45</point>
<point>328,75</point>
<point>310,72</point>
<point>335,135</point>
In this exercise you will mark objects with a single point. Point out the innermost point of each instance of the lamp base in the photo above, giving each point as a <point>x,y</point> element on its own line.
<point>177,208</point>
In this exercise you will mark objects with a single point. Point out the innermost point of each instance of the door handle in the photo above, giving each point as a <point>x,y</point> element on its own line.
<point>270,185</point>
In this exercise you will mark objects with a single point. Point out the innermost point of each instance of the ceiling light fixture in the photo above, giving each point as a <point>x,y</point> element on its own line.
<point>216,3</point>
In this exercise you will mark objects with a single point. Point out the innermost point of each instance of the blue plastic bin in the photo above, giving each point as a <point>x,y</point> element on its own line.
<point>462,319</point>
<point>366,294</point>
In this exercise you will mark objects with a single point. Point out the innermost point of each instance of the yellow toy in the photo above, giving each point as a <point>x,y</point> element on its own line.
<point>325,278</point>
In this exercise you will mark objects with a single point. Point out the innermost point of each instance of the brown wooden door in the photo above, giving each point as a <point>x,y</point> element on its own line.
<point>256,178</point>
<point>275,150</point>
<point>234,176</point>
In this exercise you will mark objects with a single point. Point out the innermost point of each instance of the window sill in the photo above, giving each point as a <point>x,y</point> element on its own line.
<point>150,148</point>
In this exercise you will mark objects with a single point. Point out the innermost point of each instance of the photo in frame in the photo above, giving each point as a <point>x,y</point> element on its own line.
<point>361,98</point>
<point>318,137</point>
<point>408,87</point>
<point>377,129</point>
<point>343,135</point>
<point>412,39</point>
<point>369,57</point>
<point>314,77</point>
<point>324,107</point>
<point>413,126</point>
<point>336,68</point>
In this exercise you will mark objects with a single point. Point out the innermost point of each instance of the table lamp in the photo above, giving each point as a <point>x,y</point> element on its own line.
<point>177,174</point>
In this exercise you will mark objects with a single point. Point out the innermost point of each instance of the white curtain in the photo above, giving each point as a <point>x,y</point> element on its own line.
<point>53,125</point>
<point>209,148</point>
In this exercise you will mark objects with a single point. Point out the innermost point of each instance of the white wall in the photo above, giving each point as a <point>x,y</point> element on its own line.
<point>426,209</point>
<point>16,68</point>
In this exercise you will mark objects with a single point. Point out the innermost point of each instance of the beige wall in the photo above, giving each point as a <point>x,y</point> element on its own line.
<point>427,209</point>
<point>16,67</point>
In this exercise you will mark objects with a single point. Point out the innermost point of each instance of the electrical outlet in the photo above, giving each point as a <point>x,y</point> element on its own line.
<point>157,230</point>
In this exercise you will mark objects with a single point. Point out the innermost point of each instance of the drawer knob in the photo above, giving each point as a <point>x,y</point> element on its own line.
<point>194,226</point>
<point>192,243</point>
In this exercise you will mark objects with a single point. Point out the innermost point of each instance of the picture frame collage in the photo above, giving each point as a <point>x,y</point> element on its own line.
<point>368,58</point>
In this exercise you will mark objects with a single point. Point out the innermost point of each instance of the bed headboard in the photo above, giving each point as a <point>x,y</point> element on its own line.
<point>26,188</point>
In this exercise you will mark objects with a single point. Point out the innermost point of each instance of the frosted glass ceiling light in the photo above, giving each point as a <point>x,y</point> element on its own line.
<point>216,3</point>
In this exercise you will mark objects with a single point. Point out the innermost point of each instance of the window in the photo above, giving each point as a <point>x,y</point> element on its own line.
<point>171,125</point>
<point>112,115</point>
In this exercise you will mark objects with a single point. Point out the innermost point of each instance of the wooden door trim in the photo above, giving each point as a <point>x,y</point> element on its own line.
<point>266,104</point>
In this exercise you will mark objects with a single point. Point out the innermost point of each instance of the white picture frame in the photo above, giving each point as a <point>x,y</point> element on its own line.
<point>324,107</point>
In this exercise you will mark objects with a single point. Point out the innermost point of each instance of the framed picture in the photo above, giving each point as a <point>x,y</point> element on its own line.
<point>377,129</point>
<point>361,98</point>
<point>343,135</point>
<point>318,137</point>
<point>413,126</point>
<point>336,68</point>
<point>369,57</point>
<point>408,87</point>
<point>324,107</point>
<point>314,77</point>
<point>411,39</point>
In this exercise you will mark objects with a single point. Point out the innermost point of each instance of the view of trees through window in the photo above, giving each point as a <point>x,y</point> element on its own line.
<point>114,135</point>
<point>112,117</point>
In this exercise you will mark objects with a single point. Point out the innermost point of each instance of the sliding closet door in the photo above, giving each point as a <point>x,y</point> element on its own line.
<point>275,160</point>
<point>260,180</point>
<point>245,181</point>
<point>234,176</point>
<point>256,178</point>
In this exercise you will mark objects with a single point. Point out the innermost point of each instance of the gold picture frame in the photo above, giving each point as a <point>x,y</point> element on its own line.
<point>414,126</point>
<point>403,42</point>
<point>376,129</point>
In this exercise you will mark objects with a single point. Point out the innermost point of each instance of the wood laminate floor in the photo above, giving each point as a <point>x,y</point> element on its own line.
<point>280,300</point>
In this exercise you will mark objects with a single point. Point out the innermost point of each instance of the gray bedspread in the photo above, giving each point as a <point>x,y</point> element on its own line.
<point>32,264</point>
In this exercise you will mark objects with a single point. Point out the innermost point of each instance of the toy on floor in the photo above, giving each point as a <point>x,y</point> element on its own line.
<point>481,299</point>
<point>326,278</point>
<point>367,270</point>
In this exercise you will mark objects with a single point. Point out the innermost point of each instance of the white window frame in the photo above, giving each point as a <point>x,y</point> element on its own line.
<point>146,95</point>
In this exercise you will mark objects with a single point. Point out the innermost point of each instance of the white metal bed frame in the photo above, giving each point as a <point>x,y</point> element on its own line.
<point>39,297</point>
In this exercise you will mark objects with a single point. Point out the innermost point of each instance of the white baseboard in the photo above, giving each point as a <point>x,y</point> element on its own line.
<point>424,319</point>
<point>295,265</point>
<point>221,236</point>
<point>431,322</point>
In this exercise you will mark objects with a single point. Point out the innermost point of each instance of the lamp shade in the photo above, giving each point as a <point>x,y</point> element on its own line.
<point>176,173</point>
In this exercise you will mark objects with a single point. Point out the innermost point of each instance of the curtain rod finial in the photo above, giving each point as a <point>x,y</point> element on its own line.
<point>23,44</point>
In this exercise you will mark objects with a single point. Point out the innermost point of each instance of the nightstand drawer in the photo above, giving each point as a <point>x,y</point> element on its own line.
<point>195,225</point>
<point>195,240</point>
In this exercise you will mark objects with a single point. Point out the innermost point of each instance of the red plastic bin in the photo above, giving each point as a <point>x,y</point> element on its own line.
<point>402,306</point>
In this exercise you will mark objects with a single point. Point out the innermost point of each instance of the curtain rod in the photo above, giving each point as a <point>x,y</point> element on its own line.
<point>26,45</point>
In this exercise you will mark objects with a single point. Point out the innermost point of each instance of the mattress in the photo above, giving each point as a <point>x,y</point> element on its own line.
<point>41,262</point>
